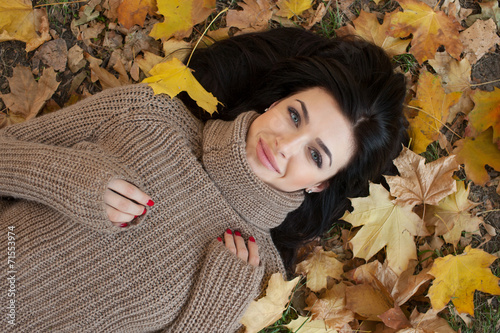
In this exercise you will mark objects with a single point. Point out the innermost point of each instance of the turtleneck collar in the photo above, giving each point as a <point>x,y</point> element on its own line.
<point>224,158</point>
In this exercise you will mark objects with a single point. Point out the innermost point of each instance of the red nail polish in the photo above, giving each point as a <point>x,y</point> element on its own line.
<point>135,216</point>
<point>150,203</point>
<point>237,233</point>
<point>144,212</point>
<point>123,225</point>
<point>251,239</point>
<point>219,239</point>
<point>229,231</point>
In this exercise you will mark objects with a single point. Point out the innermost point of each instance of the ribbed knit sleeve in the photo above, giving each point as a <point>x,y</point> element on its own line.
<point>224,289</point>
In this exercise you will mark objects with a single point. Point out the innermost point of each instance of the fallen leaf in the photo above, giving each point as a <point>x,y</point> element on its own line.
<point>318,267</point>
<point>479,39</point>
<point>489,10</point>
<point>475,153</point>
<point>430,30</point>
<point>269,308</point>
<point>18,21</point>
<point>457,277</point>
<point>148,61</point>
<point>172,77</point>
<point>106,79</point>
<point>306,325</point>
<point>53,54</point>
<point>455,75</point>
<point>429,322</point>
<point>486,112</point>
<point>75,59</point>
<point>290,8</point>
<point>452,215</point>
<point>180,17</point>
<point>395,318</point>
<point>368,28</point>
<point>367,301</point>
<point>331,307</point>
<point>434,110</point>
<point>422,183</point>
<point>27,96</point>
<point>384,224</point>
<point>132,12</point>
<point>255,15</point>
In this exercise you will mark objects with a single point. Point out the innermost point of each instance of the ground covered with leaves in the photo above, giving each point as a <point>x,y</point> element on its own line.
<point>419,257</point>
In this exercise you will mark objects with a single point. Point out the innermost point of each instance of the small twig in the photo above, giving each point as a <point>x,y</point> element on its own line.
<point>59,3</point>
<point>483,83</point>
<point>487,211</point>
<point>429,115</point>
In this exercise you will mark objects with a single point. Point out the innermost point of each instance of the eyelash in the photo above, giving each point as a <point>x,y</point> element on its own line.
<point>296,123</point>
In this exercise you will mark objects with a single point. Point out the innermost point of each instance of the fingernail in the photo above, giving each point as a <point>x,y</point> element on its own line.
<point>251,239</point>
<point>144,212</point>
<point>237,233</point>
<point>123,225</point>
<point>219,239</point>
<point>150,203</point>
<point>135,216</point>
<point>229,231</point>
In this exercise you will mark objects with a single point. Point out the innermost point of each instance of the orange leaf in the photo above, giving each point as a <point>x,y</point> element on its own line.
<point>368,301</point>
<point>486,112</point>
<point>255,15</point>
<point>475,154</point>
<point>131,12</point>
<point>422,183</point>
<point>430,30</point>
<point>457,277</point>
<point>368,28</point>
<point>435,107</point>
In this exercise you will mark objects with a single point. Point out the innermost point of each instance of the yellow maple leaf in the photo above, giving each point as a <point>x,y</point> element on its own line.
<point>422,183</point>
<point>318,266</point>
<point>434,111</point>
<point>269,308</point>
<point>384,224</point>
<point>486,112</point>
<point>306,325</point>
<point>18,21</point>
<point>290,8</point>
<point>430,30</point>
<point>132,12</point>
<point>172,77</point>
<point>457,277</point>
<point>27,96</point>
<point>331,307</point>
<point>368,28</point>
<point>180,17</point>
<point>475,153</point>
<point>452,215</point>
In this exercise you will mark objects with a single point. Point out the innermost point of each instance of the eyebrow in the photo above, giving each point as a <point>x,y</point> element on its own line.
<point>304,111</point>
<point>325,148</point>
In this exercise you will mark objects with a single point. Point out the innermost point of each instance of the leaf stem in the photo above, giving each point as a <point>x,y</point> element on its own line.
<point>59,3</point>
<point>203,35</point>
<point>419,109</point>
<point>487,211</point>
<point>483,83</point>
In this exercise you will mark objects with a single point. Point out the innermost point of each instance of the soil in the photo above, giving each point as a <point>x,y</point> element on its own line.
<point>12,54</point>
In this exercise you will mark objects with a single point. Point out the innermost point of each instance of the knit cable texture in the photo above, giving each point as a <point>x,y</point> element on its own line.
<point>76,272</point>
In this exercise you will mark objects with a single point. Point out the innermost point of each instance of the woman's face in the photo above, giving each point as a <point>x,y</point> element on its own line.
<point>300,142</point>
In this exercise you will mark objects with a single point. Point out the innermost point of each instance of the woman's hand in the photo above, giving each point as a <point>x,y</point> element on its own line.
<point>236,244</point>
<point>124,201</point>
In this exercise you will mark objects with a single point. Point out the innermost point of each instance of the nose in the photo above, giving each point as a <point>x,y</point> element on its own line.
<point>289,145</point>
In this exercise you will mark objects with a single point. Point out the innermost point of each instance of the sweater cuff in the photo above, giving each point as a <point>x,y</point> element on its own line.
<point>224,289</point>
<point>70,180</point>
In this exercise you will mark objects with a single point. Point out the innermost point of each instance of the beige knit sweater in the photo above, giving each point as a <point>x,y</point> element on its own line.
<point>76,272</point>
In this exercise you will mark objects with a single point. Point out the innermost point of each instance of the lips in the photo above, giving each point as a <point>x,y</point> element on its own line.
<point>266,156</point>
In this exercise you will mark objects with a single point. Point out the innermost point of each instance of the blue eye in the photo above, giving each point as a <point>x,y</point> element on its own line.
<point>316,157</point>
<point>294,115</point>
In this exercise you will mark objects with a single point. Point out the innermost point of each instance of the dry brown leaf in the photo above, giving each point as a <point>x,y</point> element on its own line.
<point>422,183</point>
<point>132,12</point>
<point>106,79</point>
<point>255,15</point>
<point>395,318</point>
<point>331,307</point>
<point>479,39</point>
<point>429,322</point>
<point>27,96</point>
<point>455,75</point>
<point>75,59</point>
<point>318,267</point>
<point>367,301</point>
<point>53,54</point>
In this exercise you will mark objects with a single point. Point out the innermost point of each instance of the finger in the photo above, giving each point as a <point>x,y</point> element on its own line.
<point>122,204</point>
<point>253,252</point>
<point>241,248</point>
<point>229,241</point>
<point>117,217</point>
<point>130,191</point>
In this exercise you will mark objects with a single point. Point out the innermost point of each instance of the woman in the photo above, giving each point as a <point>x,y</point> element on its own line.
<point>132,215</point>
